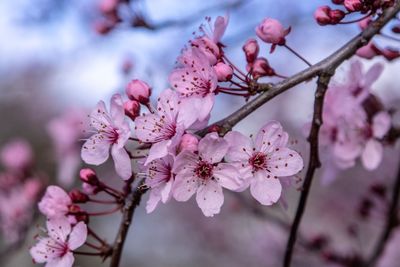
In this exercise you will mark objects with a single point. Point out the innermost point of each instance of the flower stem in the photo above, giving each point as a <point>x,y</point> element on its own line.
<point>297,55</point>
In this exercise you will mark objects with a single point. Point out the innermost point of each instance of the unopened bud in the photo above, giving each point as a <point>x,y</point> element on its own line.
<point>139,91</point>
<point>132,109</point>
<point>89,176</point>
<point>188,142</point>
<point>251,49</point>
<point>78,196</point>
<point>260,68</point>
<point>224,72</point>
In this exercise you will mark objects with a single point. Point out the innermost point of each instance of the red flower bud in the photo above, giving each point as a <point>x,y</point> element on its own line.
<point>78,196</point>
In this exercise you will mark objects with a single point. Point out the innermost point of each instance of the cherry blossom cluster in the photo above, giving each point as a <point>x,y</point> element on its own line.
<point>20,188</point>
<point>358,128</point>
<point>325,15</point>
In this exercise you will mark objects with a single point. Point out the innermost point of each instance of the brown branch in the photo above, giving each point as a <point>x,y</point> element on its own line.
<point>391,223</point>
<point>313,163</point>
<point>270,90</point>
<point>128,211</point>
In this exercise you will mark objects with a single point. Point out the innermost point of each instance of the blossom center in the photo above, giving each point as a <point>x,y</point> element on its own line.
<point>204,170</point>
<point>258,161</point>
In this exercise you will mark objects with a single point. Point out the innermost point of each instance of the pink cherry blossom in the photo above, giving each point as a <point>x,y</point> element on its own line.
<point>164,128</point>
<point>209,42</point>
<point>16,155</point>
<point>204,174</point>
<point>111,131</point>
<point>271,31</point>
<point>56,250</point>
<point>263,161</point>
<point>196,82</point>
<point>160,180</point>
<point>65,132</point>
<point>55,202</point>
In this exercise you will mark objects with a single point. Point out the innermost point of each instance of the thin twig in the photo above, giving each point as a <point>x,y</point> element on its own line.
<point>391,223</point>
<point>313,163</point>
<point>128,211</point>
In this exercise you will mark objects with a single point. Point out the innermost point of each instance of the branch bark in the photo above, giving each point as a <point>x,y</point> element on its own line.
<point>390,224</point>
<point>313,163</point>
<point>128,211</point>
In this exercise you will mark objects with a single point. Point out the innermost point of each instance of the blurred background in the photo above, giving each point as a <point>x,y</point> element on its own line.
<point>61,57</point>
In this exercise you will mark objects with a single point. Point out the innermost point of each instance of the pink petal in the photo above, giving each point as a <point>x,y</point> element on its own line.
<point>58,228</point>
<point>210,198</point>
<point>220,25</point>
<point>99,116</point>
<point>168,104</point>
<point>117,109</point>
<point>240,147</point>
<point>122,162</point>
<point>269,137</point>
<point>65,261</point>
<point>227,176</point>
<point>39,252</point>
<point>78,236</point>
<point>158,150</point>
<point>371,157</point>
<point>145,126</point>
<point>185,186</point>
<point>166,191</point>
<point>284,162</point>
<point>372,75</point>
<point>154,199</point>
<point>212,148</point>
<point>185,160</point>
<point>381,124</point>
<point>265,190</point>
<point>355,75</point>
<point>95,150</point>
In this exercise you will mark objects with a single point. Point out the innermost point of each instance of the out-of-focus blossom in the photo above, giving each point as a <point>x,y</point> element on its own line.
<point>66,131</point>
<point>17,155</point>
<point>17,209</point>
<point>112,131</point>
<point>164,128</point>
<point>56,250</point>
<point>204,174</point>
<point>160,180</point>
<point>263,161</point>
<point>55,202</point>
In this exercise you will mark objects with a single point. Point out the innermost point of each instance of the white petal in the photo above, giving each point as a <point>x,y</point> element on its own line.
<point>122,162</point>
<point>210,198</point>
<point>372,154</point>
<point>266,190</point>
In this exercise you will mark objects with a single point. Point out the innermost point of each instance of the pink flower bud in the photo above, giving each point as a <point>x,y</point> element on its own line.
<point>353,5</point>
<point>90,189</point>
<point>32,187</point>
<point>271,31</point>
<point>224,72</point>
<point>336,15</point>
<point>78,196</point>
<point>17,155</point>
<point>188,142</point>
<point>251,49</point>
<point>321,15</point>
<point>260,68</point>
<point>368,51</point>
<point>89,176</point>
<point>139,91</point>
<point>108,6</point>
<point>390,53</point>
<point>214,128</point>
<point>132,109</point>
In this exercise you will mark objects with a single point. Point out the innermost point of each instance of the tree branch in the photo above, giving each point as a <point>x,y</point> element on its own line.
<point>270,90</point>
<point>391,223</point>
<point>313,163</point>
<point>128,211</point>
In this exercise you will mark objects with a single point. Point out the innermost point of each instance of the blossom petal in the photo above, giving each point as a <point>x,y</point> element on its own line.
<point>372,75</point>
<point>240,147</point>
<point>284,162</point>
<point>212,148</point>
<point>78,236</point>
<point>220,25</point>
<point>210,198</point>
<point>185,160</point>
<point>185,186</point>
<point>58,228</point>
<point>147,128</point>
<point>99,116</point>
<point>39,252</point>
<point>95,150</point>
<point>166,191</point>
<point>265,190</point>
<point>269,137</point>
<point>122,162</point>
<point>371,157</point>
<point>154,199</point>
<point>227,176</point>
<point>168,104</point>
<point>117,109</point>
<point>65,261</point>
<point>158,150</point>
<point>381,123</point>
